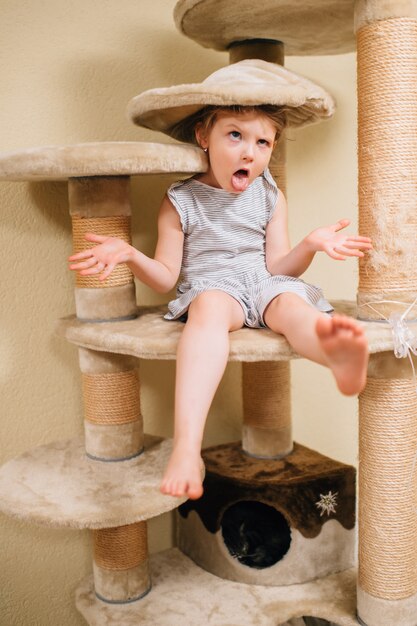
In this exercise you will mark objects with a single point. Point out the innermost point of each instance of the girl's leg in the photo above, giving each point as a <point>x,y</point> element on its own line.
<point>201,360</point>
<point>337,342</point>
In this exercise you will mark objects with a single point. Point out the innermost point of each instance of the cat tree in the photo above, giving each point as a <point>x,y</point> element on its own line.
<point>113,488</point>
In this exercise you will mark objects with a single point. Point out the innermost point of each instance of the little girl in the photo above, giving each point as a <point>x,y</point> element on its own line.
<point>224,233</point>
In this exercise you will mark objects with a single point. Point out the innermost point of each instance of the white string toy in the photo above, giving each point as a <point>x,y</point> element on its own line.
<point>405,342</point>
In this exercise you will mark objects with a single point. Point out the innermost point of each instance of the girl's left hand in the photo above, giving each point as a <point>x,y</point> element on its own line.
<point>101,258</point>
<point>337,245</point>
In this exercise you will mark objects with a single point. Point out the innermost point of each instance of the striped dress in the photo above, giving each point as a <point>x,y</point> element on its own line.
<point>224,248</point>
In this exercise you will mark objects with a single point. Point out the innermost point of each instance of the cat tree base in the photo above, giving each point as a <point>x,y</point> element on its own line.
<point>183,593</point>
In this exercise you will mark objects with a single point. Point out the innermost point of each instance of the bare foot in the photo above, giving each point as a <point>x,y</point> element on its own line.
<point>346,348</point>
<point>183,474</point>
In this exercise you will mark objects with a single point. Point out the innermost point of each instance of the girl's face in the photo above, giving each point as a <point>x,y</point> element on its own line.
<point>239,149</point>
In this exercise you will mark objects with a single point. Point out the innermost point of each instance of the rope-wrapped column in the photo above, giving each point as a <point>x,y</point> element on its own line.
<point>102,205</point>
<point>121,572</point>
<point>387,152</point>
<point>111,395</point>
<point>113,421</point>
<point>267,430</point>
<point>387,583</point>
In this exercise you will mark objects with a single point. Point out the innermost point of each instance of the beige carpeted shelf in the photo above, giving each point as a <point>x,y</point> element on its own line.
<point>58,485</point>
<point>183,593</point>
<point>108,158</point>
<point>151,337</point>
<point>305,28</point>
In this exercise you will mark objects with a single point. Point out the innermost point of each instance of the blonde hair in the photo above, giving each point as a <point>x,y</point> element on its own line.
<point>206,117</point>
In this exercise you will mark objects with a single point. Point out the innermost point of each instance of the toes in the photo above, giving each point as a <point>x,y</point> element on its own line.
<point>324,327</point>
<point>180,488</point>
<point>195,491</point>
<point>348,324</point>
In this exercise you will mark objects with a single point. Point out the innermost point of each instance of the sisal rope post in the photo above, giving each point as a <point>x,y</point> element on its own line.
<point>102,205</point>
<point>266,430</point>
<point>120,563</point>
<point>111,393</point>
<point>387,151</point>
<point>113,422</point>
<point>387,579</point>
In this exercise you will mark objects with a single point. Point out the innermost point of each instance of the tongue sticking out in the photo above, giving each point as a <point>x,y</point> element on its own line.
<point>240,180</point>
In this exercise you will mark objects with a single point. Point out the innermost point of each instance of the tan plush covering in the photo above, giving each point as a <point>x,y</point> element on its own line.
<point>386,365</point>
<point>304,26</point>
<point>183,594</point>
<point>92,362</point>
<point>266,442</point>
<point>333,550</point>
<point>379,612</point>
<point>151,337</point>
<point>113,442</point>
<point>106,304</point>
<point>122,585</point>
<point>99,196</point>
<point>249,82</point>
<point>369,11</point>
<point>110,158</point>
<point>57,485</point>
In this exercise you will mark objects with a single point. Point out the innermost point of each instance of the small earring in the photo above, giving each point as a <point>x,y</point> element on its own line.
<point>205,149</point>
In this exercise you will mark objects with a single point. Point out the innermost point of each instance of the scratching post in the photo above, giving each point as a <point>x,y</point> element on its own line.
<point>121,572</point>
<point>387,494</point>
<point>387,117</point>
<point>113,423</point>
<point>266,429</point>
<point>102,205</point>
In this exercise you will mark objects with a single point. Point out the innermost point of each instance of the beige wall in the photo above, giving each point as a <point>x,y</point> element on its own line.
<point>67,71</point>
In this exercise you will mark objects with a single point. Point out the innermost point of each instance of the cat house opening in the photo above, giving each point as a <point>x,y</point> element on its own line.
<point>255,534</point>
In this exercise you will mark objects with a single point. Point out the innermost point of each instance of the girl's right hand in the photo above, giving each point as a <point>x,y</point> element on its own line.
<point>103,258</point>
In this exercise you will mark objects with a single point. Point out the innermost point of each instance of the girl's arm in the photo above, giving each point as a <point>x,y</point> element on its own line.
<point>281,259</point>
<point>160,273</point>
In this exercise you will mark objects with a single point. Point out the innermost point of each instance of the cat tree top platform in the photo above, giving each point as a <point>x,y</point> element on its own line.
<point>305,27</point>
<point>181,589</point>
<point>149,336</point>
<point>57,485</point>
<point>112,158</point>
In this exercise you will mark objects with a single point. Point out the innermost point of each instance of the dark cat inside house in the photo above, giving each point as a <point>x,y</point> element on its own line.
<point>256,534</point>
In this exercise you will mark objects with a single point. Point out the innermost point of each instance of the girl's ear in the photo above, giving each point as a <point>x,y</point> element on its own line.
<point>200,136</point>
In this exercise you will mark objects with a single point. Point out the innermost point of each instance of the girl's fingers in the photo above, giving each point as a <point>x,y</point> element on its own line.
<point>341,224</point>
<point>358,245</point>
<point>335,255</point>
<point>359,238</point>
<point>84,254</point>
<point>98,267</point>
<point>83,264</point>
<point>107,271</point>
<point>95,238</point>
<point>349,252</point>
<point>87,272</point>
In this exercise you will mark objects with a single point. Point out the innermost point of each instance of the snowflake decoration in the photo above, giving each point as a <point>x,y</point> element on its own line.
<point>327,503</point>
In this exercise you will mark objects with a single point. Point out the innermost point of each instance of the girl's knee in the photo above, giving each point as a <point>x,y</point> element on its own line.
<point>281,307</point>
<point>285,301</point>
<point>212,307</point>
